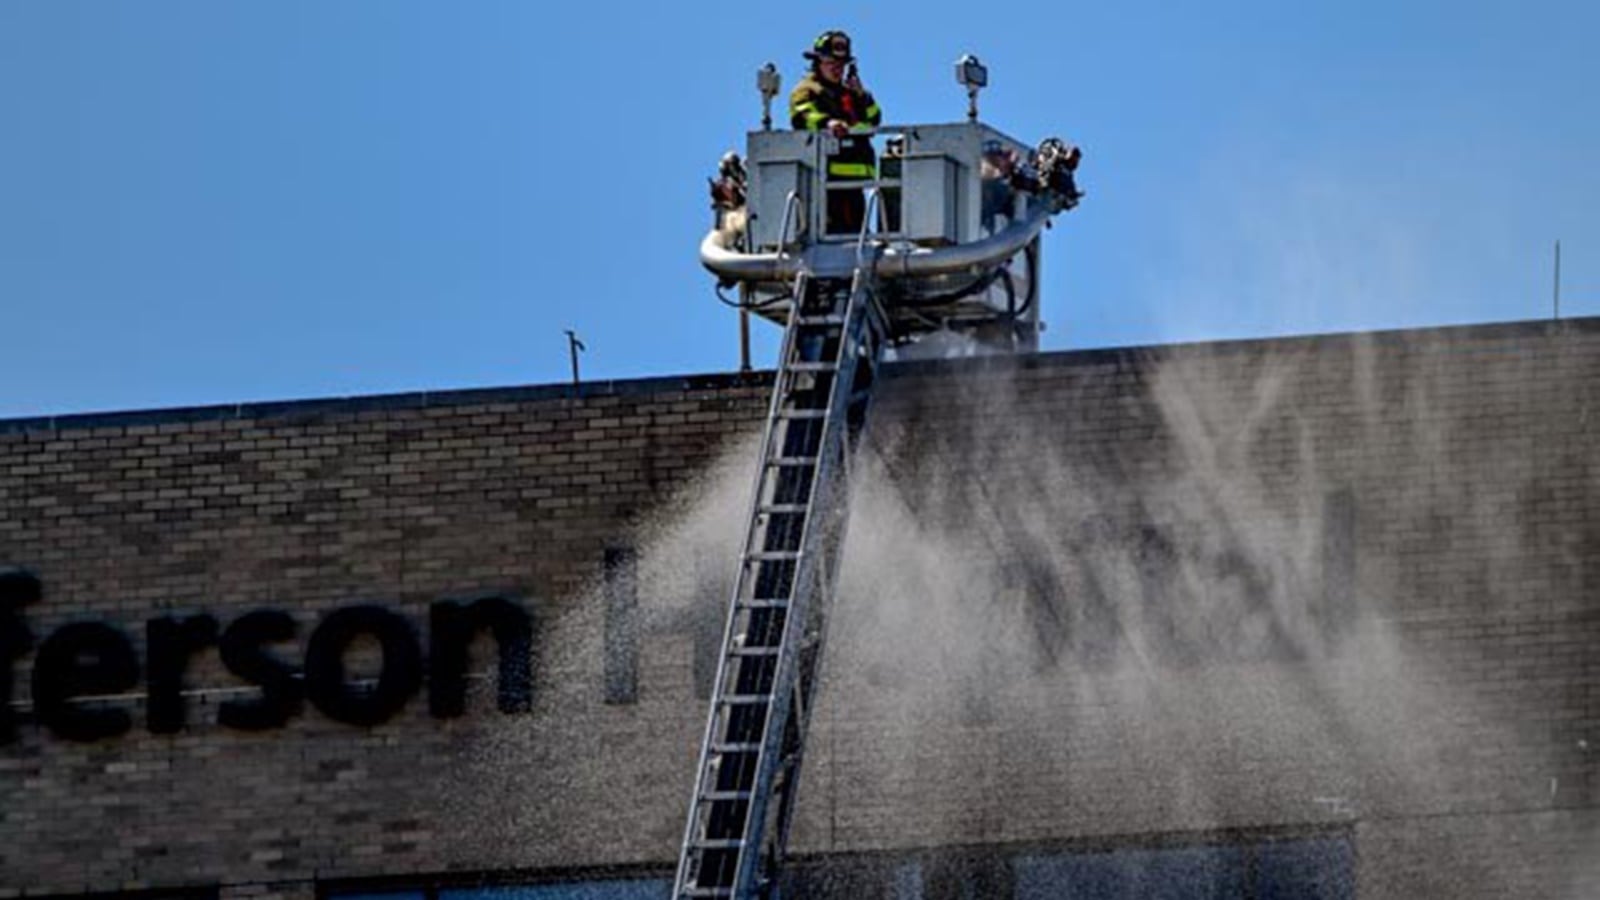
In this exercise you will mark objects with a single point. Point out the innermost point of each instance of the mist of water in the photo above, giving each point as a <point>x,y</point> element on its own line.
<point>1177,595</point>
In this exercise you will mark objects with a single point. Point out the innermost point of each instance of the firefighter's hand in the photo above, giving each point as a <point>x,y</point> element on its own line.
<point>838,127</point>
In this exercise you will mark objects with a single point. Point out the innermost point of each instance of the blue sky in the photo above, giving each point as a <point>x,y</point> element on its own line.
<point>216,202</point>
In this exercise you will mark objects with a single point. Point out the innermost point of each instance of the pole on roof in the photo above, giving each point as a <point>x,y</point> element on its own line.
<point>1558,281</point>
<point>573,347</point>
<point>744,331</point>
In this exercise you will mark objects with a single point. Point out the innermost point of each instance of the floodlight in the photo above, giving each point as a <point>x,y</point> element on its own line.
<point>973,76</point>
<point>971,73</point>
<point>768,82</point>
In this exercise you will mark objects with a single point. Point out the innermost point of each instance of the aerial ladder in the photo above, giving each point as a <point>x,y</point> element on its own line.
<point>944,262</point>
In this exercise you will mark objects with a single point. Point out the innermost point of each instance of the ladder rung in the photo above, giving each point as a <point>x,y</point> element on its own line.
<point>708,892</point>
<point>755,651</point>
<point>719,843</point>
<point>744,699</point>
<point>773,555</point>
<point>792,461</point>
<point>834,319</point>
<point>764,603</point>
<point>812,367</point>
<point>736,747</point>
<point>802,413</point>
<point>772,509</point>
<point>714,796</point>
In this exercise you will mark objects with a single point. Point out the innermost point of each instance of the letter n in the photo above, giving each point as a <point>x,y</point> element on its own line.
<point>452,627</point>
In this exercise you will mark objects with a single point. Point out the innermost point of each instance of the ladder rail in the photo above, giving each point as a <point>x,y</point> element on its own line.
<point>786,695</point>
<point>789,333</point>
<point>878,320</point>
<point>802,596</point>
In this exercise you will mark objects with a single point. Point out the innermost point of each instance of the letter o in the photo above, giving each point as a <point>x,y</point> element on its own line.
<point>358,704</point>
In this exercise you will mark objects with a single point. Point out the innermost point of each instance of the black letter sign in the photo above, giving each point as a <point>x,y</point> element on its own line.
<point>362,704</point>
<point>83,659</point>
<point>168,645</point>
<point>18,588</point>
<point>242,652</point>
<point>453,627</point>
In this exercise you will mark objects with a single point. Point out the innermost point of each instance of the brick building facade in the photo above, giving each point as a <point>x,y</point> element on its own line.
<point>1299,617</point>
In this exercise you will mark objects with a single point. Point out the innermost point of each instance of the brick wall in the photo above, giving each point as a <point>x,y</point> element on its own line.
<point>1346,584</point>
<point>1338,585</point>
<point>307,507</point>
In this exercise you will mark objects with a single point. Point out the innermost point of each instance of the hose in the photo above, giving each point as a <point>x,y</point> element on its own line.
<point>740,304</point>
<point>1001,273</point>
<point>978,286</point>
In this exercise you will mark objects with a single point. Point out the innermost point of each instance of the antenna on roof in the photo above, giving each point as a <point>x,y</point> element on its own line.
<point>573,347</point>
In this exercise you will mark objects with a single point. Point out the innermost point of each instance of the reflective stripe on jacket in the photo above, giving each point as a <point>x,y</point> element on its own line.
<point>813,102</point>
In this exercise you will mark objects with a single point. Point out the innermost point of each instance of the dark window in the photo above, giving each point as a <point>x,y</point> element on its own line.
<point>625,889</point>
<point>860,878</point>
<point>1302,869</point>
<point>1322,869</point>
<point>203,893</point>
<point>1182,873</point>
<point>576,889</point>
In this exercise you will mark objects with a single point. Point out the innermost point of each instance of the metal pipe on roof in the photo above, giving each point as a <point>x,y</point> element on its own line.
<point>732,265</point>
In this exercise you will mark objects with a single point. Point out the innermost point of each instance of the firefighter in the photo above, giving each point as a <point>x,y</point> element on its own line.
<point>830,98</point>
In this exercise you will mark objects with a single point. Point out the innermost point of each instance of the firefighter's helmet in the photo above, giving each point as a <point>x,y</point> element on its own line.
<point>831,45</point>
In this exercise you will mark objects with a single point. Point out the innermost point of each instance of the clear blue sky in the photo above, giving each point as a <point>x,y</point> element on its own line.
<point>215,201</point>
